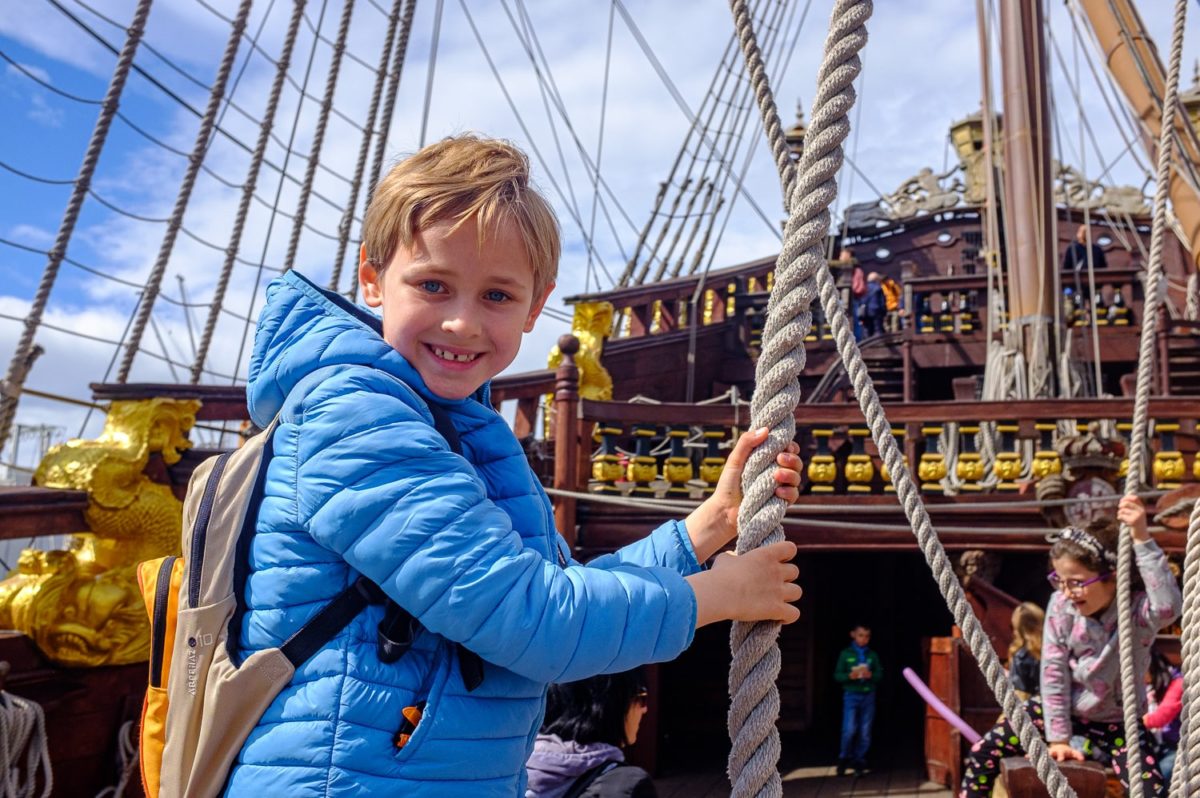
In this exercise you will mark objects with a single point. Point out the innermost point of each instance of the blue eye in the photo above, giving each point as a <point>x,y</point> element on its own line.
<point>432,286</point>
<point>496,296</point>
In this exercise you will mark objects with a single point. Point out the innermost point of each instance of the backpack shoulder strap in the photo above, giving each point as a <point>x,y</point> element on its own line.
<point>585,780</point>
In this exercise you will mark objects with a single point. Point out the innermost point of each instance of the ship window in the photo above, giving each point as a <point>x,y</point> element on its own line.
<point>1104,241</point>
<point>944,238</point>
<point>883,253</point>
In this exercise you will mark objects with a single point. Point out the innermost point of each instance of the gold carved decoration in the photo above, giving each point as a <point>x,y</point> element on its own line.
<point>593,323</point>
<point>82,606</point>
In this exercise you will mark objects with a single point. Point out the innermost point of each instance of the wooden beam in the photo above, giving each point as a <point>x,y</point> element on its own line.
<point>36,512</point>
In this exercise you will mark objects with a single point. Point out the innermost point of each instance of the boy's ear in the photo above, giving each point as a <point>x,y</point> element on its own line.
<point>536,309</point>
<point>369,280</point>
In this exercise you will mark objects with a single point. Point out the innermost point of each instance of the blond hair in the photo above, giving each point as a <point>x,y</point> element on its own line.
<point>1027,622</point>
<point>454,180</point>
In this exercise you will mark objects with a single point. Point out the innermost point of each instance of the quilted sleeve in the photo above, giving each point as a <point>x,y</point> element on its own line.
<point>667,546</point>
<point>379,487</point>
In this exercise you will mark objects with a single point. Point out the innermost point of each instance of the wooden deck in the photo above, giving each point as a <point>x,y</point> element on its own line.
<point>810,782</point>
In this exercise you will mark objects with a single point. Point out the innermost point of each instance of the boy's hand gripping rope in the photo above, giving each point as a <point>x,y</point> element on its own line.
<point>1131,680</point>
<point>801,264</point>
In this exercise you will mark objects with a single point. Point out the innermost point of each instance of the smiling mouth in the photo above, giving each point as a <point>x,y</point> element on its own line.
<point>451,356</point>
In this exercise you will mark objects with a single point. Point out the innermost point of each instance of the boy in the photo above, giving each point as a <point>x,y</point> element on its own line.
<point>859,672</point>
<point>459,254</point>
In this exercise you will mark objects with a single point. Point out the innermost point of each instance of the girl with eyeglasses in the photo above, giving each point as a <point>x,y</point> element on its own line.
<point>1080,674</point>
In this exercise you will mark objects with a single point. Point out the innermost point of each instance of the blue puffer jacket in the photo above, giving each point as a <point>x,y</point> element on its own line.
<point>361,483</point>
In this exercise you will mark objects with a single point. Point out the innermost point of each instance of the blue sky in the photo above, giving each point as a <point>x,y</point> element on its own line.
<point>921,73</point>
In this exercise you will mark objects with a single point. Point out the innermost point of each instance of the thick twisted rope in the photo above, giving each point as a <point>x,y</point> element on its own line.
<point>248,187</point>
<point>195,161</point>
<point>755,698</point>
<point>1132,684</point>
<point>754,706</point>
<point>1185,779</point>
<point>314,158</point>
<point>18,368</point>
<point>1193,297</point>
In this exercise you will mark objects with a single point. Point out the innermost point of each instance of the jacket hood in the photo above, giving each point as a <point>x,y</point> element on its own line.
<point>556,763</point>
<point>303,328</point>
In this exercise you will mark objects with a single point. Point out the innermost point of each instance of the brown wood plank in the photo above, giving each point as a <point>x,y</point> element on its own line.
<point>34,512</point>
<point>836,414</point>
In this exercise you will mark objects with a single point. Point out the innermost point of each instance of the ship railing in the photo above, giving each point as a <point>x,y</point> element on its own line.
<point>1043,452</point>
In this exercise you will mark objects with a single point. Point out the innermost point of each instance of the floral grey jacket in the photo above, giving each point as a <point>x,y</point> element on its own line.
<point>1081,655</point>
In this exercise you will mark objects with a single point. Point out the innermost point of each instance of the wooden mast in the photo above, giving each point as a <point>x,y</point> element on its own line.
<point>1133,62</point>
<point>1029,205</point>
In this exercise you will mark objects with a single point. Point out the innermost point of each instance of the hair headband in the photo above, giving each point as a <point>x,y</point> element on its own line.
<point>1089,542</point>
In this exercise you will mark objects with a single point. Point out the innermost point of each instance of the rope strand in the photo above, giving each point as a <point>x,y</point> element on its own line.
<point>1132,684</point>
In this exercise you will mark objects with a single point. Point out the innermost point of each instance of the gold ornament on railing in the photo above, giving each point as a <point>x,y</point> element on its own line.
<point>606,463</point>
<point>677,468</point>
<point>714,462</point>
<point>656,317</point>
<point>860,469</point>
<point>710,302</point>
<point>1168,460</point>
<point>1046,460</point>
<point>932,467</point>
<point>822,470</point>
<point>82,606</point>
<point>969,468</point>
<point>1008,465</point>
<point>1126,430</point>
<point>643,468</point>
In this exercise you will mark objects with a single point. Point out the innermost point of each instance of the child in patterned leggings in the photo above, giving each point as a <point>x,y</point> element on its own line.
<point>1080,652</point>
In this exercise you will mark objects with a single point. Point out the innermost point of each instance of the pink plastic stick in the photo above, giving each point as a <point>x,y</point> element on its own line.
<point>940,708</point>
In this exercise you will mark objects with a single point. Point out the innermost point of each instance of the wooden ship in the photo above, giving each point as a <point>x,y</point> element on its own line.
<point>629,425</point>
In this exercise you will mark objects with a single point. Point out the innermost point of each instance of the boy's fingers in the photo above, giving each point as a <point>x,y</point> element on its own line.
<point>744,446</point>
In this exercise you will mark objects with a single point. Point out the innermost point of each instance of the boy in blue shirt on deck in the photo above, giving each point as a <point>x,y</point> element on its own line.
<point>459,254</point>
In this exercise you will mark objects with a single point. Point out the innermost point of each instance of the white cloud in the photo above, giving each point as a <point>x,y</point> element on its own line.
<point>30,234</point>
<point>43,113</point>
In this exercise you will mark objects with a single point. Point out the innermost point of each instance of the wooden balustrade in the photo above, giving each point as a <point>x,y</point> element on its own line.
<point>662,446</point>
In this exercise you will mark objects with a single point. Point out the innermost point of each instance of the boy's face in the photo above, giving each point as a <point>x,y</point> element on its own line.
<point>861,636</point>
<point>456,307</point>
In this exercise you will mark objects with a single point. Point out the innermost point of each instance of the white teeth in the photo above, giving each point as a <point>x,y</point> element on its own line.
<point>444,355</point>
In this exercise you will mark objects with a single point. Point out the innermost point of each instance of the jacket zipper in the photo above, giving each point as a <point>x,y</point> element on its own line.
<point>158,634</point>
<point>200,529</point>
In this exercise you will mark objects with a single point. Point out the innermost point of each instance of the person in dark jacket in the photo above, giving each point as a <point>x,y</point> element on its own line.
<point>874,306</point>
<point>580,750</point>
<point>859,673</point>
<point>1025,651</point>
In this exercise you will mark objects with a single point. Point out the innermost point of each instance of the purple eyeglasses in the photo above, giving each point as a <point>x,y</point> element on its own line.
<point>1073,585</point>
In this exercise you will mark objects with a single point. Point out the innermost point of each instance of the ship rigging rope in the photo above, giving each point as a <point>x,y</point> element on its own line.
<point>385,123</point>
<point>289,151</point>
<point>1132,681</point>
<point>248,187</point>
<point>364,149</point>
<point>801,272</point>
<point>23,729</point>
<point>318,140</point>
<point>19,366</point>
<point>204,139</point>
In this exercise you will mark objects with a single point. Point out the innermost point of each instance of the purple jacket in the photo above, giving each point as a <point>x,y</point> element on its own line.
<point>556,763</point>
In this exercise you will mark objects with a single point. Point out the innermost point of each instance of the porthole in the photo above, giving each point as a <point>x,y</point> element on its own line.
<point>1104,241</point>
<point>883,253</point>
<point>944,238</point>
